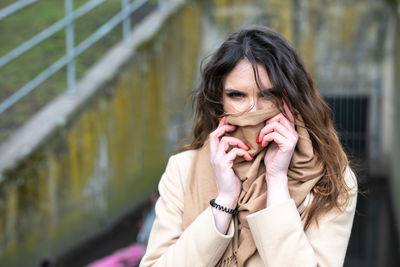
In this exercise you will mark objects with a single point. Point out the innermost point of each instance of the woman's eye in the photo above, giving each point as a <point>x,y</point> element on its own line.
<point>269,95</point>
<point>235,95</point>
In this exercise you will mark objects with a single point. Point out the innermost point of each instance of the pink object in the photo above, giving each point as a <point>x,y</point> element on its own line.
<point>129,256</point>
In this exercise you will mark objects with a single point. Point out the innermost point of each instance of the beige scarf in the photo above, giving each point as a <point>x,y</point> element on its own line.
<point>304,172</point>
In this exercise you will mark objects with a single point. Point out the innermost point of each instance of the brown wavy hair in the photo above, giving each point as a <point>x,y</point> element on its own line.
<point>261,45</point>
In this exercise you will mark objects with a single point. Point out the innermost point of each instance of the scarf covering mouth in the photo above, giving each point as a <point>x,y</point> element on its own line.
<point>305,170</point>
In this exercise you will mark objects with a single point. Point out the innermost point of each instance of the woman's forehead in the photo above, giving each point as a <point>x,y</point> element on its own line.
<point>242,77</point>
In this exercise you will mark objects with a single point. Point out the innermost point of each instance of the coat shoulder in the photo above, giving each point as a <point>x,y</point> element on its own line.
<point>181,163</point>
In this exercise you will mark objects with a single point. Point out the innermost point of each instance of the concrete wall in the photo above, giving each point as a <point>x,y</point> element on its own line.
<point>108,156</point>
<point>395,157</point>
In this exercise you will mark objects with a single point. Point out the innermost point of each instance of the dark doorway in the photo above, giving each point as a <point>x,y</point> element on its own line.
<point>373,241</point>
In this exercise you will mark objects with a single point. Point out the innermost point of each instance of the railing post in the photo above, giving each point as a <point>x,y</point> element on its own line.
<point>398,8</point>
<point>71,75</point>
<point>162,4</point>
<point>126,23</point>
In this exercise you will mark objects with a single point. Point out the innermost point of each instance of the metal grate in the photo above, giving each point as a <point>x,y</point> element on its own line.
<point>350,118</point>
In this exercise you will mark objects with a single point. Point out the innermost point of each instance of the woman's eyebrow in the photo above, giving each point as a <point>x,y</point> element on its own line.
<point>230,90</point>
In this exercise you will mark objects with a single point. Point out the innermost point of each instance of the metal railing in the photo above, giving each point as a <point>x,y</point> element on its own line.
<point>14,7</point>
<point>72,51</point>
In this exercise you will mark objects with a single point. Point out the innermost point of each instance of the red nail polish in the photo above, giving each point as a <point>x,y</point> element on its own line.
<point>284,91</point>
<point>258,139</point>
<point>251,157</point>
<point>261,144</point>
<point>247,146</point>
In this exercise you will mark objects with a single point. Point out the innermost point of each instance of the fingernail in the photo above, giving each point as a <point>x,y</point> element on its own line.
<point>258,139</point>
<point>261,144</point>
<point>247,146</point>
<point>251,157</point>
<point>284,91</point>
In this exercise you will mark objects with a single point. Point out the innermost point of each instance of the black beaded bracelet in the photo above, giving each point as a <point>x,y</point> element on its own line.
<point>230,211</point>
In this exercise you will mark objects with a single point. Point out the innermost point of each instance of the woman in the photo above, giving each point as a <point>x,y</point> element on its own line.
<point>265,181</point>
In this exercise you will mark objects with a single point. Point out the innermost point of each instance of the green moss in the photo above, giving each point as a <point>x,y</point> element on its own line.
<point>17,73</point>
<point>110,155</point>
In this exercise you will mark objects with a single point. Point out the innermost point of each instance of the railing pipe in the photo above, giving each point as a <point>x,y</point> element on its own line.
<point>126,23</point>
<point>23,91</point>
<point>97,35</point>
<point>15,7</point>
<point>46,33</point>
<point>71,75</point>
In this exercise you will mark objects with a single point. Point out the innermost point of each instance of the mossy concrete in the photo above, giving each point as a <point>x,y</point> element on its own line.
<point>107,156</point>
<point>395,157</point>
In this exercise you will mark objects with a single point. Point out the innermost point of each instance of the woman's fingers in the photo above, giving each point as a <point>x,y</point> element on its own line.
<point>276,127</point>
<point>275,123</point>
<point>220,131</point>
<point>276,137</point>
<point>228,141</point>
<point>219,143</point>
<point>235,152</point>
<point>289,124</point>
<point>282,119</point>
<point>283,143</point>
<point>217,133</point>
<point>280,130</point>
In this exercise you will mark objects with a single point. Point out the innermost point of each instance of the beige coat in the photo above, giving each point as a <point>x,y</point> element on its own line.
<point>277,230</point>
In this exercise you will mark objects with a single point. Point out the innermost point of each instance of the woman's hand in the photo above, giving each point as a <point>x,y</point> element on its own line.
<point>228,184</point>
<point>282,138</point>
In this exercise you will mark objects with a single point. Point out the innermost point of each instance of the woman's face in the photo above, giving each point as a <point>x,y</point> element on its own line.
<point>240,89</point>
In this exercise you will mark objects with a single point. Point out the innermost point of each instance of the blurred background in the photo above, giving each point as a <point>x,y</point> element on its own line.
<point>95,95</point>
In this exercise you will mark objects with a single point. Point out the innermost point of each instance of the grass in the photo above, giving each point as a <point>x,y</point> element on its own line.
<point>25,24</point>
